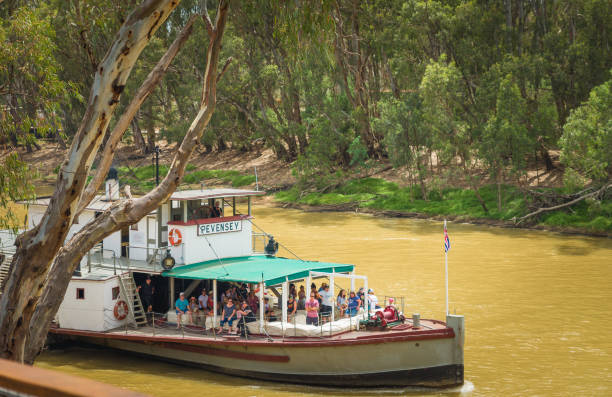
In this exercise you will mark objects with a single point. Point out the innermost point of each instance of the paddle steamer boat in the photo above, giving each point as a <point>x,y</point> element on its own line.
<point>181,249</point>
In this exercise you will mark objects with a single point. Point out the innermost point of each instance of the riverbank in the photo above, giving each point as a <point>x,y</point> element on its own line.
<point>386,194</point>
<point>384,198</point>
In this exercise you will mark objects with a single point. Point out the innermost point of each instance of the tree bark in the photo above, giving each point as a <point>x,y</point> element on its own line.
<point>147,87</point>
<point>37,247</point>
<point>139,141</point>
<point>130,211</point>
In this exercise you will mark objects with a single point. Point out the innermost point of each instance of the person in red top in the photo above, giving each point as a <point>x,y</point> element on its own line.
<point>312,310</point>
<point>253,302</point>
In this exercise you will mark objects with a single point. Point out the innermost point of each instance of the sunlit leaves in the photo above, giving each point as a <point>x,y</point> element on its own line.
<point>587,136</point>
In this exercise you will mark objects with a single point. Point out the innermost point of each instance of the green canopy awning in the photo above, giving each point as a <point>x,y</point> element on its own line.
<point>254,269</point>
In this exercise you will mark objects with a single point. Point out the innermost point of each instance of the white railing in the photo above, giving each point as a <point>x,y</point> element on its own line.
<point>260,240</point>
<point>7,241</point>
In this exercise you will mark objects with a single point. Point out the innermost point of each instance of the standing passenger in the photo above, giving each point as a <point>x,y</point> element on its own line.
<point>312,310</point>
<point>327,300</point>
<point>301,298</point>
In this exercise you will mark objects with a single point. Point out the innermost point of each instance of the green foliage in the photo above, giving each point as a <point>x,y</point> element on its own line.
<point>31,90</point>
<point>379,194</point>
<point>16,179</point>
<point>142,179</point>
<point>505,140</point>
<point>587,137</point>
<point>358,152</point>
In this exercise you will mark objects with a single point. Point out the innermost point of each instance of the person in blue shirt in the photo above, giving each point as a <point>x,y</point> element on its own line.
<point>182,308</point>
<point>354,303</point>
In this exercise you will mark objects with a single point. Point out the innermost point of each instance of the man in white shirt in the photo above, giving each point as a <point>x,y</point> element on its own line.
<point>203,300</point>
<point>327,300</point>
<point>372,300</point>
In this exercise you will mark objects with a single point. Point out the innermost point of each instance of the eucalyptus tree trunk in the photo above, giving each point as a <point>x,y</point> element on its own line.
<point>141,95</point>
<point>37,248</point>
<point>130,210</point>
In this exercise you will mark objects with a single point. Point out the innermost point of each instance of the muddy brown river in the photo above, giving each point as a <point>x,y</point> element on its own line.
<point>537,306</point>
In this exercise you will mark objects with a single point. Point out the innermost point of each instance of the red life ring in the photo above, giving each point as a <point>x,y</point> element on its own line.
<point>121,310</point>
<point>175,237</point>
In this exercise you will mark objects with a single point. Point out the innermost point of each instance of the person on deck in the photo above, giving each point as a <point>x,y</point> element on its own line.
<point>354,303</point>
<point>301,298</point>
<point>228,315</point>
<point>341,302</point>
<point>182,309</point>
<point>372,300</point>
<point>193,307</point>
<point>203,306</point>
<point>216,211</point>
<point>244,315</point>
<point>291,308</point>
<point>312,310</point>
<point>327,300</point>
<point>253,302</point>
<point>268,310</point>
<point>243,292</point>
<point>203,301</point>
<point>147,290</point>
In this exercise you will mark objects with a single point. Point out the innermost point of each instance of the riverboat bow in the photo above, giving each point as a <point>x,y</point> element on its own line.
<point>124,296</point>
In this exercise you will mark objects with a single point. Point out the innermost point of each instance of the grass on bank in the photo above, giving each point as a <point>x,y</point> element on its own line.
<point>375,193</point>
<point>142,179</point>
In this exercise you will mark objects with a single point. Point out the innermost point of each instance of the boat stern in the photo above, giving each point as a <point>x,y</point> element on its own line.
<point>457,323</point>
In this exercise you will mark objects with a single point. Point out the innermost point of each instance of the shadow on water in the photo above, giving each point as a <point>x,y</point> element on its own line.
<point>87,359</point>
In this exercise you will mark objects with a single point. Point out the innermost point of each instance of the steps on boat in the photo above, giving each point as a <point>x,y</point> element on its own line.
<point>136,315</point>
<point>5,265</point>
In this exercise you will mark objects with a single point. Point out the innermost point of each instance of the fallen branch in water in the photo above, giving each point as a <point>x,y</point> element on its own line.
<point>568,204</point>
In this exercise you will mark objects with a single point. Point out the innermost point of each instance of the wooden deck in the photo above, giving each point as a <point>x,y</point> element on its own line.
<point>429,329</point>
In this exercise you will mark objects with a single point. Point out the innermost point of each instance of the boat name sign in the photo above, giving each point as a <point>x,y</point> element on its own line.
<point>220,227</point>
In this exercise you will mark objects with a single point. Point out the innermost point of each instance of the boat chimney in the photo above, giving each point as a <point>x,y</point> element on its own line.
<point>112,185</point>
<point>416,320</point>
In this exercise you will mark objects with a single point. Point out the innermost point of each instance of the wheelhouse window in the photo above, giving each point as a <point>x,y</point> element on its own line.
<point>80,293</point>
<point>115,293</point>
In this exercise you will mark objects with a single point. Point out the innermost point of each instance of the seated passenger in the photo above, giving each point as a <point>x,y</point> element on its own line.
<point>341,303</point>
<point>182,308</point>
<point>228,315</point>
<point>354,303</point>
<point>268,310</point>
<point>312,310</point>
<point>244,315</point>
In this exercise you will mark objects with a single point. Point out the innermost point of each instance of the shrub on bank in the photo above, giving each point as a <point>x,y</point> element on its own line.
<point>379,194</point>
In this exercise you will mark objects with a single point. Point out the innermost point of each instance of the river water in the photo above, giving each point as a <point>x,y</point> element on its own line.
<point>537,306</point>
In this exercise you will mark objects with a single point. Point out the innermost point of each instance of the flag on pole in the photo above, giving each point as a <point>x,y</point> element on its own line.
<point>446,239</point>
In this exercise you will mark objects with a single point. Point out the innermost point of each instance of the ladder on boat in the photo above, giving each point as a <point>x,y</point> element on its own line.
<point>129,292</point>
<point>5,266</point>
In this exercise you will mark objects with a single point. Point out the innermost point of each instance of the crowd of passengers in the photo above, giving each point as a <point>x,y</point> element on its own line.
<point>239,304</point>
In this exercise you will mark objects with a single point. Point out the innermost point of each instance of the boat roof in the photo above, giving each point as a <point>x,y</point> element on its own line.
<point>213,193</point>
<point>253,269</point>
<point>99,202</point>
